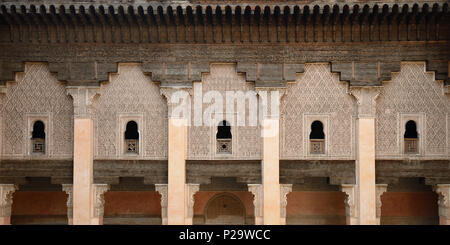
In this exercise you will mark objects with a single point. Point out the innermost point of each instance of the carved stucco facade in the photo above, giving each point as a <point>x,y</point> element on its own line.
<point>317,94</point>
<point>130,95</point>
<point>412,94</point>
<point>246,139</point>
<point>36,94</point>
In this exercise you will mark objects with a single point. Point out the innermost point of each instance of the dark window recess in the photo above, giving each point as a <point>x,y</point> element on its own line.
<point>38,138</point>
<point>223,137</point>
<point>317,138</point>
<point>132,138</point>
<point>411,137</point>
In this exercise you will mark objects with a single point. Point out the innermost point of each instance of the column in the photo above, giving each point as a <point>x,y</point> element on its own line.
<point>271,153</point>
<point>285,189</point>
<point>443,190</point>
<point>190,191</point>
<point>162,189</point>
<point>68,189</point>
<point>83,153</point>
<point>257,191</point>
<point>381,188</point>
<point>6,199</point>
<point>177,148</point>
<point>351,208</point>
<point>365,154</point>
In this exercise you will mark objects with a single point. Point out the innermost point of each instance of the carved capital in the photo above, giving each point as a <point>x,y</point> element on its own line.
<point>366,100</point>
<point>68,189</point>
<point>162,189</point>
<point>269,101</point>
<point>443,190</point>
<point>191,189</point>
<point>178,101</point>
<point>350,204</point>
<point>6,193</point>
<point>257,191</point>
<point>285,189</point>
<point>99,200</point>
<point>83,98</point>
<point>380,189</point>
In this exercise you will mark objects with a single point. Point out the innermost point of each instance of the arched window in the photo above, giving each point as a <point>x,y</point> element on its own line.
<point>132,137</point>
<point>38,137</point>
<point>223,137</point>
<point>317,138</point>
<point>411,137</point>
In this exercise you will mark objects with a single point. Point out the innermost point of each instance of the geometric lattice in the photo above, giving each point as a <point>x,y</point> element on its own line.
<point>202,139</point>
<point>130,91</point>
<point>412,90</point>
<point>36,91</point>
<point>316,91</point>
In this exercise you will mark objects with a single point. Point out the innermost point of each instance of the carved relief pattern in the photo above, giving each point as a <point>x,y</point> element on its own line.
<point>130,91</point>
<point>257,191</point>
<point>99,200</point>
<point>37,91</point>
<point>380,189</point>
<point>162,190</point>
<point>68,189</point>
<point>412,90</point>
<point>350,205</point>
<point>285,189</point>
<point>246,139</point>
<point>191,189</point>
<point>443,191</point>
<point>317,91</point>
<point>6,193</point>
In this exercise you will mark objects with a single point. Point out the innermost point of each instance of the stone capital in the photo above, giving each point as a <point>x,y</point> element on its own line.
<point>380,189</point>
<point>6,200</point>
<point>443,190</point>
<point>191,189</point>
<point>350,203</point>
<point>269,101</point>
<point>99,200</point>
<point>68,189</point>
<point>178,101</point>
<point>257,191</point>
<point>83,98</point>
<point>285,189</point>
<point>366,100</point>
<point>163,191</point>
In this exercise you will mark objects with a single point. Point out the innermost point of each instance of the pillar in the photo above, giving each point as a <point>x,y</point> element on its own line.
<point>351,208</point>
<point>443,190</point>
<point>6,199</point>
<point>177,148</point>
<point>83,153</point>
<point>257,191</point>
<point>190,191</point>
<point>365,154</point>
<point>162,189</point>
<point>285,189</point>
<point>381,188</point>
<point>99,203</point>
<point>68,189</point>
<point>271,153</point>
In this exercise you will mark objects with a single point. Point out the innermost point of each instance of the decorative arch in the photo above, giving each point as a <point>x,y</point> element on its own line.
<point>225,209</point>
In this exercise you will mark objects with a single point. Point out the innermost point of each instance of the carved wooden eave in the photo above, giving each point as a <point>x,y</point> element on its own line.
<point>216,22</point>
<point>270,41</point>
